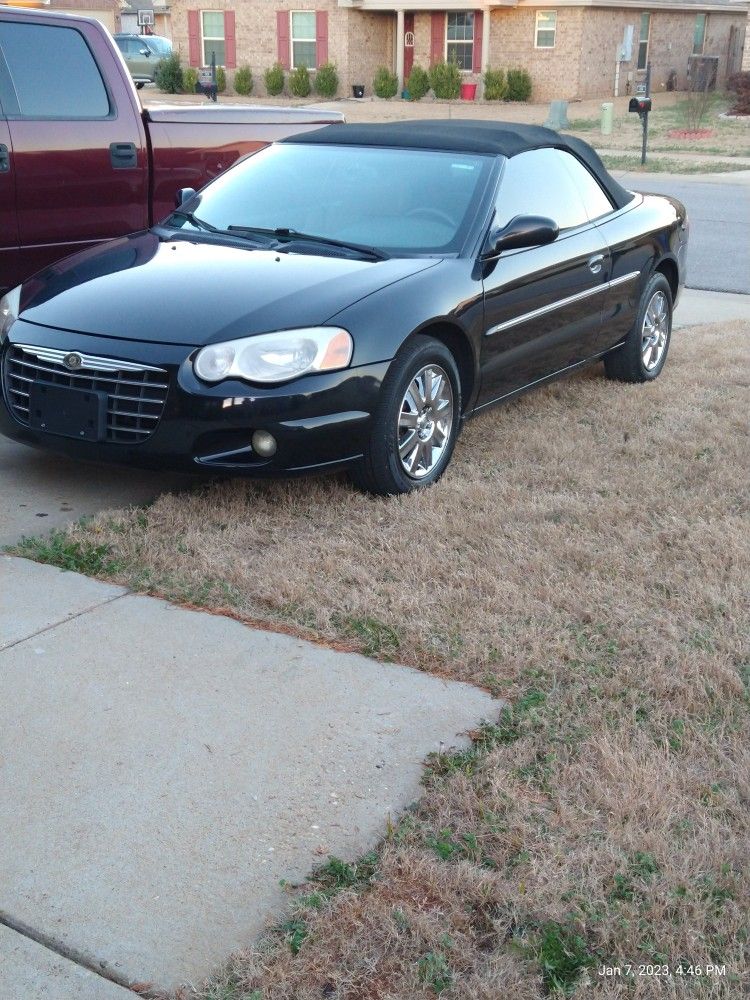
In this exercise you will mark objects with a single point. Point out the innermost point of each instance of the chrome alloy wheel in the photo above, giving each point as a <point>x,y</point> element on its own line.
<point>425,421</point>
<point>655,331</point>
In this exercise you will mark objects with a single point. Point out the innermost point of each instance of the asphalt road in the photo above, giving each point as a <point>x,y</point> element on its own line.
<point>719,213</point>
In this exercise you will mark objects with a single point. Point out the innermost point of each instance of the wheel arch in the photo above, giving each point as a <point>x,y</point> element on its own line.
<point>669,269</point>
<point>460,346</point>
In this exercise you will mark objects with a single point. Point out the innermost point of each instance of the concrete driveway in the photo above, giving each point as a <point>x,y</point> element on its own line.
<point>41,491</point>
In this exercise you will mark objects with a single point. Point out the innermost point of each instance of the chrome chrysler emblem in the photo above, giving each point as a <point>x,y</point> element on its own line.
<point>73,361</point>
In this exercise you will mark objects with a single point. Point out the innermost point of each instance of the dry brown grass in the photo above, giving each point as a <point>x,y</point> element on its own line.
<point>587,557</point>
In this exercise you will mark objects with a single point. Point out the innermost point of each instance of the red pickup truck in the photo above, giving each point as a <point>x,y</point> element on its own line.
<point>81,161</point>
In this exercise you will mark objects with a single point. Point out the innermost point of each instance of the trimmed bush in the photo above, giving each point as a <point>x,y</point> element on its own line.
<point>274,80</point>
<point>445,80</point>
<point>385,84</point>
<point>418,83</point>
<point>299,82</point>
<point>169,75</point>
<point>495,85</point>
<point>221,79</point>
<point>243,81</point>
<point>519,85</point>
<point>739,84</point>
<point>189,79</point>
<point>326,80</point>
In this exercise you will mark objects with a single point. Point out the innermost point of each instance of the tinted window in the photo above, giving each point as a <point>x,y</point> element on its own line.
<point>410,200</point>
<point>538,183</point>
<point>596,202</point>
<point>53,72</point>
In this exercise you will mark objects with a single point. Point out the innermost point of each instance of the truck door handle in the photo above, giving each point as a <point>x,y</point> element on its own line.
<point>123,154</point>
<point>4,159</point>
<point>595,263</point>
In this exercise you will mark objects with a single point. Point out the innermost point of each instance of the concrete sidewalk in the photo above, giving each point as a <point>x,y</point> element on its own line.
<point>163,769</point>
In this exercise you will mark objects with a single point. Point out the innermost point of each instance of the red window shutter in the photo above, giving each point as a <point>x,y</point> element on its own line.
<point>321,37</point>
<point>408,53</point>
<point>194,37</point>
<point>478,26</point>
<point>437,46</point>
<point>230,45</point>
<point>282,38</point>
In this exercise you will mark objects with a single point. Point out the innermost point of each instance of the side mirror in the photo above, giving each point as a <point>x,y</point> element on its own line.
<point>183,196</point>
<point>145,52</point>
<point>522,231</point>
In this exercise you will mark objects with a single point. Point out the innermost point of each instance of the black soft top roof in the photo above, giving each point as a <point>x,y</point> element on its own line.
<point>467,136</point>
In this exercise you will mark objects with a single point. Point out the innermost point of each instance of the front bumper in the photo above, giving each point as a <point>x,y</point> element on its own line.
<point>319,421</point>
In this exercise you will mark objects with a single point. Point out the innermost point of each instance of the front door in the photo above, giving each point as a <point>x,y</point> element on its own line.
<point>543,305</point>
<point>79,161</point>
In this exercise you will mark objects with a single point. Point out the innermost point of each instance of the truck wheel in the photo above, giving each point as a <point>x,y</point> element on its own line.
<point>415,427</point>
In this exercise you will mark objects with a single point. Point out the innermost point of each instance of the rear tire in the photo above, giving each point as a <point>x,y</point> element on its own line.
<point>644,353</point>
<point>415,426</point>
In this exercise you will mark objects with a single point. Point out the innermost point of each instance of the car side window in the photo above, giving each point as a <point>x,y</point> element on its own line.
<point>53,72</point>
<point>538,183</point>
<point>596,201</point>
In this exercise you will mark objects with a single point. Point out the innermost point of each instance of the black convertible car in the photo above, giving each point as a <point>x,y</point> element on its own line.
<point>345,298</point>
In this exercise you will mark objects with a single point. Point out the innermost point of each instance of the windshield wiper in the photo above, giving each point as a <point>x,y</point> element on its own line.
<point>195,221</point>
<point>285,235</point>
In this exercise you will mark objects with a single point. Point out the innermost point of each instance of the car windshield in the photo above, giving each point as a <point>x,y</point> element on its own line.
<point>402,201</point>
<point>161,46</point>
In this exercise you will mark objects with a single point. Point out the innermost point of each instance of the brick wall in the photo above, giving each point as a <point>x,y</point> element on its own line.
<point>255,28</point>
<point>581,64</point>
<point>554,71</point>
<point>670,46</point>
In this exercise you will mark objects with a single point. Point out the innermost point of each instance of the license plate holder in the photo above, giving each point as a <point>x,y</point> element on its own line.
<point>75,413</point>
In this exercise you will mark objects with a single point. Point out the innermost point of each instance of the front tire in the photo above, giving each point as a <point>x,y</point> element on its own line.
<point>642,356</point>
<point>415,426</point>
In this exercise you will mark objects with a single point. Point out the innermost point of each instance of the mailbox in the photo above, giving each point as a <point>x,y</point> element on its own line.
<point>642,105</point>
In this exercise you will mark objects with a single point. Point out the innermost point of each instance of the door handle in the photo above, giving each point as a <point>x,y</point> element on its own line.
<point>4,159</point>
<point>123,154</point>
<point>595,263</point>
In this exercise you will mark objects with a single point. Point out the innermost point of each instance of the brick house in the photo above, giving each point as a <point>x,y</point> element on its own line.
<point>572,48</point>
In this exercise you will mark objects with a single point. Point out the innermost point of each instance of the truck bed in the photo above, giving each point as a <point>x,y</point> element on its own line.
<point>189,145</point>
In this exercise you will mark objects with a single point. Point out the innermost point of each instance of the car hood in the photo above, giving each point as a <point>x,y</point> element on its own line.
<point>179,292</point>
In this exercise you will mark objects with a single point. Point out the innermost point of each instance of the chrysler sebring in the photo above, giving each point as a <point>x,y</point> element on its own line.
<point>345,298</point>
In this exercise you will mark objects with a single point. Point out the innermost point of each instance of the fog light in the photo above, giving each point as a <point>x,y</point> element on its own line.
<point>264,443</point>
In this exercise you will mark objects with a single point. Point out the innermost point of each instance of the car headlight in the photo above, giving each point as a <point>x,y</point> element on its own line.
<point>276,357</point>
<point>9,307</point>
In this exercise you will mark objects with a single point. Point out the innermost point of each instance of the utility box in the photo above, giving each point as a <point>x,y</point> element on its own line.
<point>608,110</point>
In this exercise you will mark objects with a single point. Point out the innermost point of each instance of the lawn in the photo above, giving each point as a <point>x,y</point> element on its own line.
<point>587,558</point>
<point>731,137</point>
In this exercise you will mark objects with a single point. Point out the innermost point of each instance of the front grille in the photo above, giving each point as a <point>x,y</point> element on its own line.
<point>136,394</point>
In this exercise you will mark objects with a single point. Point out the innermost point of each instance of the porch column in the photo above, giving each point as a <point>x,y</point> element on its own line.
<point>486,15</point>
<point>400,49</point>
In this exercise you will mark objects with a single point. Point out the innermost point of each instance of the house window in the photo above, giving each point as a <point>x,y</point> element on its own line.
<point>212,28</point>
<point>643,41</point>
<point>546,29</point>
<point>459,39</point>
<point>303,39</point>
<point>699,34</point>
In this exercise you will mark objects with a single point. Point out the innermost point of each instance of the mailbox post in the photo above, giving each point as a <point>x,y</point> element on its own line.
<point>642,105</point>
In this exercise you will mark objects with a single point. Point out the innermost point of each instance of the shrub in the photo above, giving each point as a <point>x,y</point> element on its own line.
<point>299,82</point>
<point>519,85</point>
<point>385,83</point>
<point>495,85</point>
<point>189,79</point>
<point>274,80</point>
<point>221,79</point>
<point>326,80</point>
<point>739,84</point>
<point>243,81</point>
<point>169,75</point>
<point>418,83</point>
<point>445,80</point>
